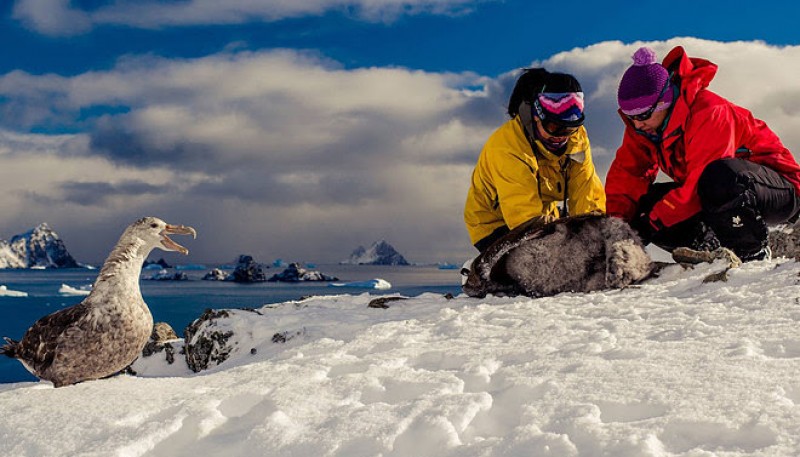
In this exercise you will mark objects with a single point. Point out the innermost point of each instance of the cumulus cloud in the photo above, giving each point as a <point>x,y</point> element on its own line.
<point>52,17</point>
<point>287,154</point>
<point>280,135</point>
<point>59,17</point>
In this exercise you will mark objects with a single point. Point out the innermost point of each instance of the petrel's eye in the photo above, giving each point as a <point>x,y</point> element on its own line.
<point>154,225</point>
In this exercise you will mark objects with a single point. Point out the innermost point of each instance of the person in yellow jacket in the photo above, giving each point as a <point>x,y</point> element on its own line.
<point>537,160</point>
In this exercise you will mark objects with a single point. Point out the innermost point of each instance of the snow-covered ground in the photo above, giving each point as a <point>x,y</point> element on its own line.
<point>674,367</point>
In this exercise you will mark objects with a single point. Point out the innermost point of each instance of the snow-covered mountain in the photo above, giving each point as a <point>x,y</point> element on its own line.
<point>39,247</point>
<point>678,366</point>
<point>380,253</point>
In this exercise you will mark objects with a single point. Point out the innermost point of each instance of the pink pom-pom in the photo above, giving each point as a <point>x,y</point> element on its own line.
<point>644,56</point>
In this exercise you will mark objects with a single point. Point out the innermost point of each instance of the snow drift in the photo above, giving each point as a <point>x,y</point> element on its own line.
<point>673,367</point>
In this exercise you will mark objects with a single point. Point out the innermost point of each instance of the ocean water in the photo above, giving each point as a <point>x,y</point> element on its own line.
<point>178,303</point>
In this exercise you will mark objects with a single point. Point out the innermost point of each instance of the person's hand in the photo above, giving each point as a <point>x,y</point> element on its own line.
<point>645,227</point>
<point>548,218</point>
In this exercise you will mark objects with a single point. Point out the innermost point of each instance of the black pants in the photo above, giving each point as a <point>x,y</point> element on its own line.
<point>739,198</point>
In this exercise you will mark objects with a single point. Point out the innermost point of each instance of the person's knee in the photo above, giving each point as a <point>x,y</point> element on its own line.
<point>719,184</point>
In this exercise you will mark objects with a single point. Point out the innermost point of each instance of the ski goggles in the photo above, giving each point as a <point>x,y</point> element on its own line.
<point>558,130</point>
<point>643,116</point>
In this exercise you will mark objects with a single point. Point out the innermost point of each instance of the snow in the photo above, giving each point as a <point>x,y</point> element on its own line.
<point>67,290</point>
<point>675,367</point>
<point>6,292</point>
<point>376,283</point>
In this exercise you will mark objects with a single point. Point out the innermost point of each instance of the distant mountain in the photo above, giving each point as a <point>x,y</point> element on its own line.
<point>380,253</point>
<point>40,247</point>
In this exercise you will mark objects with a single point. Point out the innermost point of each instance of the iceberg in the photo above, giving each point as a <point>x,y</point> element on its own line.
<point>193,267</point>
<point>69,291</point>
<point>376,283</point>
<point>6,292</point>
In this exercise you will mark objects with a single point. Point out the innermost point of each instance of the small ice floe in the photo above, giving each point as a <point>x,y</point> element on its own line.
<point>376,283</point>
<point>69,291</point>
<point>5,292</point>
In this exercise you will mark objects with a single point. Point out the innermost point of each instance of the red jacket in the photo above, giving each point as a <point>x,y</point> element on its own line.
<point>701,128</point>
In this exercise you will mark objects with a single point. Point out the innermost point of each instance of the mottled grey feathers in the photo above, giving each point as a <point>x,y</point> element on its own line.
<point>573,254</point>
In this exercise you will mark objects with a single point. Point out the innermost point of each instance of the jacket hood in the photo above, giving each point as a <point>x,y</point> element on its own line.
<point>693,74</point>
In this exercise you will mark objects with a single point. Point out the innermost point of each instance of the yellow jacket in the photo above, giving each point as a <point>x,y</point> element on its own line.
<point>511,184</point>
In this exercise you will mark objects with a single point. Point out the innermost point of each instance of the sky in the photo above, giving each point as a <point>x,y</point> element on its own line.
<point>301,130</point>
<point>674,367</point>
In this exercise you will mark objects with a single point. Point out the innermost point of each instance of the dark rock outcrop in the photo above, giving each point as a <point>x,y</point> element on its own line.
<point>215,275</point>
<point>784,241</point>
<point>296,273</point>
<point>283,337</point>
<point>164,275</point>
<point>160,342</point>
<point>248,270</point>
<point>203,343</point>
<point>383,302</point>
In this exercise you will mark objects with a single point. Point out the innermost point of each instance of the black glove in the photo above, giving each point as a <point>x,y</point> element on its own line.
<point>646,227</point>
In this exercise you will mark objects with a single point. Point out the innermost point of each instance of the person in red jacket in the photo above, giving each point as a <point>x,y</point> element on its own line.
<point>731,175</point>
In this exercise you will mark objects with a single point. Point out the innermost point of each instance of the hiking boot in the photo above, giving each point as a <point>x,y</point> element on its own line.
<point>706,240</point>
<point>764,254</point>
<point>694,257</point>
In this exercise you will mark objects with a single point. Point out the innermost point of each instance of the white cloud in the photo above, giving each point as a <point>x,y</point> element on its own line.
<point>277,136</point>
<point>57,17</point>
<point>287,154</point>
<point>52,17</point>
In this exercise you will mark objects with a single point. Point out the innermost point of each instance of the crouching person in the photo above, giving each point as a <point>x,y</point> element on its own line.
<point>731,174</point>
<point>534,161</point>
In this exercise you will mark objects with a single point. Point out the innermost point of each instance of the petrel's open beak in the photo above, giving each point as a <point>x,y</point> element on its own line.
<point>176,230</point>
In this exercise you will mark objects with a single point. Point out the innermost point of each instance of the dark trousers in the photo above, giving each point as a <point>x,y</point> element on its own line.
<point>739,198</point>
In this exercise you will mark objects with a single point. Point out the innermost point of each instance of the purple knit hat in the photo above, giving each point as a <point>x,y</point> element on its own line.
<point>643,84</point>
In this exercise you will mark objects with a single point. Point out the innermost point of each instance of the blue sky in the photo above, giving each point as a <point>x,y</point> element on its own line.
<point>489,38</point>
<point>302,129</point>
